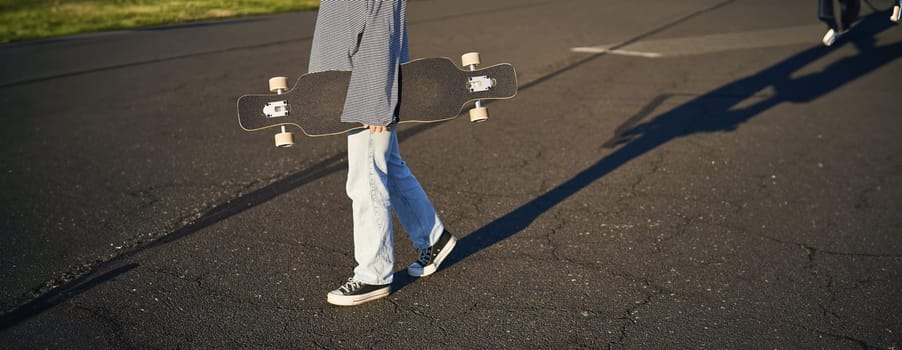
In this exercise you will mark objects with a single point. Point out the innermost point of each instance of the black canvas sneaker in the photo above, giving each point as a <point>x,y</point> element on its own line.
<point>432,257</point>
<point>897,13</point>
<point>831,36</point>
<point>354,292</point>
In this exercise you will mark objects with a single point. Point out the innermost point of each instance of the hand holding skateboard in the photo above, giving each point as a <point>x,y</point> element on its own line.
<point>431,90</point>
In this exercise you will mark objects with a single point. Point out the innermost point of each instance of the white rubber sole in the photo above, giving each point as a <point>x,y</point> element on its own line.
<point>830,37</point>
<point>351,300</point>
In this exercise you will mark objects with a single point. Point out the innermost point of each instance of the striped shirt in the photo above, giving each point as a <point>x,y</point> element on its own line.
<point>369,38</point>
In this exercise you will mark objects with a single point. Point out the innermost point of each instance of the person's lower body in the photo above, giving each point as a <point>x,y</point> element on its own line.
<point>379,181</point>
<point>849,11</point>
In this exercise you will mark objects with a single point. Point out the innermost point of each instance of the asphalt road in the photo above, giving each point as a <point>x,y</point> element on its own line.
<point>672,174</point>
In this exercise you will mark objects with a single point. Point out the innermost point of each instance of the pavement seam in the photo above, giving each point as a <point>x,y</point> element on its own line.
<point>118,330</point>
<point>70,283</point>
<point>861,343</point>
<point>228,49</point>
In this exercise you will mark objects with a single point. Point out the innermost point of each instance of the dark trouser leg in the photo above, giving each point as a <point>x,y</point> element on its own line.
<point>825,13</point>
<point>851,9</point>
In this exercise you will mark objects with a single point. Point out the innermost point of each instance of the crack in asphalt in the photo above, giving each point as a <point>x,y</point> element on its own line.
<point>549,237</point>
<point>198,220</point>
<point>69,283</point>
<point>647,284</point>
<point>238,48</point>
<point>118,330</point>
<point>861,343</point>
<point>655,163</point>
<point>813,251</point>
<point>830,285</point>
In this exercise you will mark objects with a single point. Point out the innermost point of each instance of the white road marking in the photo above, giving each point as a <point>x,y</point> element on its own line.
<point>603,49</point>
<point>703,44</point>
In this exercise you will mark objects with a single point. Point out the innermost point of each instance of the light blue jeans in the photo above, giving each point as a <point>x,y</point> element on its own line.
<point>379,181</point>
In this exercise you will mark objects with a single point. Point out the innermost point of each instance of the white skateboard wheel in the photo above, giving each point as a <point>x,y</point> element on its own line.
<point>471,58</point>
<point>284,139</point>
<point>479,114</point>
<point>278,83</point>
<point>896,14</point>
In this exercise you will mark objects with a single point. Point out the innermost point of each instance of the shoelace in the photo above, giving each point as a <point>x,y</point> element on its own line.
<point>425,254</point>
<point>350,286</point>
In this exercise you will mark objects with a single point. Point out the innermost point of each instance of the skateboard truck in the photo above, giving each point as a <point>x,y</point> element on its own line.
<point>480,83</point>
<point>276,109</point>
<point>279,109</point>
<point>435,89</point>
<point>896,15</point>
<point>476,84</point>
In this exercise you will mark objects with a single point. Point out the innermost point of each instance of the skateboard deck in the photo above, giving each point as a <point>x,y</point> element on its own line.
<point>431,90</point>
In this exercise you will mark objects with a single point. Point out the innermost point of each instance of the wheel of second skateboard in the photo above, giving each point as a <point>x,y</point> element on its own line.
<point>896,14</point>
<point>284,139</point>
<point>470,58</point>
<point>278,83</point>
<point>479,114</point>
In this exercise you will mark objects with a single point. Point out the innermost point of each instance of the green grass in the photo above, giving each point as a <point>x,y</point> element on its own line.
<point>36,19</point>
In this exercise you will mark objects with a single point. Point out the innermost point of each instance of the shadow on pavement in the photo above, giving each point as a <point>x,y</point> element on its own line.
<point>59,296</point>
<point>224,211</point>
<point>715,111</point>
<point>90,279</point>
<point>707,113</point>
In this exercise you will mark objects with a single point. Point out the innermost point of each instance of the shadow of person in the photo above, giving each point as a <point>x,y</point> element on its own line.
<point>52,299</point>
<point>716,111</point>
<point>94,277</point>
